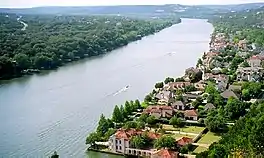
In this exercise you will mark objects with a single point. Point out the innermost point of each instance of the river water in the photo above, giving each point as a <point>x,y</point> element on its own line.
<point>56,110</point>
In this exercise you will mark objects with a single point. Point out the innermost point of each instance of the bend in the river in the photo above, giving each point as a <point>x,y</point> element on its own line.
<point>56,111</point>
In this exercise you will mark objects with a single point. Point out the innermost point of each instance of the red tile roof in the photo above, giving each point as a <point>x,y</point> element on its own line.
<point>165,153</point>
<point>190,113</point>
<point>128,134</point>
<point>184,141</point>
<point>157,109</point>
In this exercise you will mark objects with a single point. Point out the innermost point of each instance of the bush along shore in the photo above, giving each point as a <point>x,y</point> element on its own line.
<point>215,110</point>
<point>51,41</point>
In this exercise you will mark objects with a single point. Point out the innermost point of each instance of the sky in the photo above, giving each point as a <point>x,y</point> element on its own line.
<point>37,3</point>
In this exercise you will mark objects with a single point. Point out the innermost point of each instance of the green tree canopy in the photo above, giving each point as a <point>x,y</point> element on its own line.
<point>165,142</point>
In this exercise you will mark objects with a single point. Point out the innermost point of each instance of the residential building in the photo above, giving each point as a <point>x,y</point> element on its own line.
<point>164,97</point>
<point>209,106</point>
<point>178,85</point>
<point>159,111</point>
<point>254,61</point>
<point>165,153</point>
<point>229,93</point>
<point>179,105</point>
<point>200,85</point>
<point>184,141</point>
<point>191,115</point>
<point>221,86</point>
<point>250,74</point>
<point>120,142</point>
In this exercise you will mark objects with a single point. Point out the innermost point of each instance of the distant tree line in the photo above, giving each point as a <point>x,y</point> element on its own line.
<point>51,41</point>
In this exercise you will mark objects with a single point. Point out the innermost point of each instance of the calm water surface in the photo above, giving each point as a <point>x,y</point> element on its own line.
<point>56,110</point>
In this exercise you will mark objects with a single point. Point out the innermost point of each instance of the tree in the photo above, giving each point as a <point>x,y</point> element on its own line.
<point>128,108</point>
<point>123,112</point>
<point>210,88</point>
<point>176,122</point>
<point>117,116</point>
<point>137,104</point>
<point>148,98</point>
<point>246,94</point>
<point>179,79</point>
<point>92,138</point>
<point>159,85</point>
<point>199,62</point>
<point>54,155</point>
<point>143,117</point>
<point>180,98</point>
<point>215,122</point>
<point>22,60</point>
<point>130,124</point>
<point>245,64</point>
<point>168,80</point>
<point>138,142</point>
<point>165,142</point>
<point>218,151</point>
<point>234,108</point>
<point>102,125</point>
<point>151,120</point>
<point>190,88</point>
<point>140,125</point>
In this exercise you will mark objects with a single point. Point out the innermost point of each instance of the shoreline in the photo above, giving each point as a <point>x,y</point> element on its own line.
<point>39,71</point>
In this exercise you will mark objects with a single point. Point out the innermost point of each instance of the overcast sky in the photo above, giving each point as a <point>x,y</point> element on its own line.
<point>36,3</point>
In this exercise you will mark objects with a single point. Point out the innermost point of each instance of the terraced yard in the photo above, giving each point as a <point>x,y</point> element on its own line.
<point>199,149</point>
<point>187,129</point>
<point>209,138</point>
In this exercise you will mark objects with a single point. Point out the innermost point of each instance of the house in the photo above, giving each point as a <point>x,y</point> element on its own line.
<point>191,115</point>
<point>178,85</point>
<point>120,142</point>
<point>216,70</point>
<point>235,88</point>
<point>200,85</point>
<point>179,105</point>
<point>191,96</point>
<point>159,111</point>
<point>184,141</point>
<point>221,86</point>
<point>243,44</point>
<point>164,97</point>
<point>250,74</point>
<point>165,153</point>
<point>209,106</point>
<point>229,93</point>
<point>254,61</point>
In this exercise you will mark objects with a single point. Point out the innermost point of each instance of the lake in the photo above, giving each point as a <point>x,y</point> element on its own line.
<point>58,109</point>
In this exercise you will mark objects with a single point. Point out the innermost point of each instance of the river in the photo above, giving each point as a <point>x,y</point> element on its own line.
<point>56,110</point>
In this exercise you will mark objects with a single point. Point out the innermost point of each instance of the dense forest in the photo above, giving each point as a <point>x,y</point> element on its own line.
<point>41,42</point>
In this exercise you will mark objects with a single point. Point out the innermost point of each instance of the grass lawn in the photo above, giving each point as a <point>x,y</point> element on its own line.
<point>199,149</point>
<point>178,136</point>
<point>187,129</point>
<point>209,138</point>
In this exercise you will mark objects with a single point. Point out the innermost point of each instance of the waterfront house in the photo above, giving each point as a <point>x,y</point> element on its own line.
<point>165,153</point>
<point>191,115</point>
<point>164,97</point>
<point>120,142</point>
<point>159,111</point>
<point>179,105</point>
<point>254,61</point>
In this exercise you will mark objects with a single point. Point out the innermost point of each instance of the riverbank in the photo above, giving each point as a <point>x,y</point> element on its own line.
<point>113,34</point>
<point>63,100</point>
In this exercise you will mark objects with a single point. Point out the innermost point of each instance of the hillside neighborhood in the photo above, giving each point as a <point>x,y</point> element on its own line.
<point>182,117</point>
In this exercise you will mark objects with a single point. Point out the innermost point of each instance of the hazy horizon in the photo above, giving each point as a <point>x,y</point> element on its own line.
<point>47,3</point>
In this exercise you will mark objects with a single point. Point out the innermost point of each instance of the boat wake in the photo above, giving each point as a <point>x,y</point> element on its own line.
<point>121,90</point>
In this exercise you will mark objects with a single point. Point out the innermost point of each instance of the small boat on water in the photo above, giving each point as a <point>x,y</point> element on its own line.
<point>127,86</point>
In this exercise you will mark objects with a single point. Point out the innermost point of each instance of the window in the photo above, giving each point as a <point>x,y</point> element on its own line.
<point>120,148</point>
<point>139,152</point>
<point>116,142</point>
<point>116,147</point>
<point>129,151</point>
<point>119,141</point>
